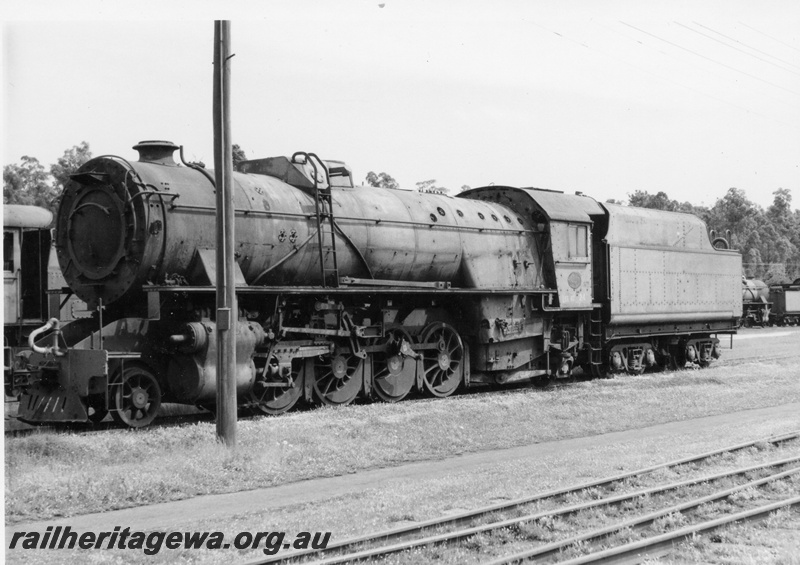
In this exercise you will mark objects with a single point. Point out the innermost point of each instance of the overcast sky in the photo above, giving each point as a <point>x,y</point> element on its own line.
<point>599,97</point>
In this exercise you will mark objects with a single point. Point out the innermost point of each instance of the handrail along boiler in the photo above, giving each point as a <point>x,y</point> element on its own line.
<point>348,291</point>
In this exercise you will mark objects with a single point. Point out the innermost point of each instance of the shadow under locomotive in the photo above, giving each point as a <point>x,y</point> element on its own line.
<point>350,291</point>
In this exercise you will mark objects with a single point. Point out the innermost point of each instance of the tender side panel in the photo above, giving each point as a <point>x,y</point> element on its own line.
<point>653,285</point>
<point>662,269</point>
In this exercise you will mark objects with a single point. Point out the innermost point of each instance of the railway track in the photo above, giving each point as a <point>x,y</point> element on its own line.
<point>619,493</point>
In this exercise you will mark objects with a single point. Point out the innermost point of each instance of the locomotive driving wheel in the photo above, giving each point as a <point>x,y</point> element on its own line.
<point>136,396</point>
<point>273,394</point>
<point>444,363</point>
<point>394,370</point>
<point>338,378</point>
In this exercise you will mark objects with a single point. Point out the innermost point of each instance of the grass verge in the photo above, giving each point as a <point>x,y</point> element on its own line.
<point>59,474</point>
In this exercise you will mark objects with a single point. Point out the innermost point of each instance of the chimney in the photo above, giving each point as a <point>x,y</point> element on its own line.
<point>156,151</point>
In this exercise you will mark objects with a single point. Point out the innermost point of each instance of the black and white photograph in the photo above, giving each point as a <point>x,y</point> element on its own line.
<point>401,282</point>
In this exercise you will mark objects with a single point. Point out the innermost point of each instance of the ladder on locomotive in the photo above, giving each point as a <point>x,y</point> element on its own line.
<point>596,337</point>
<point>326,223</point>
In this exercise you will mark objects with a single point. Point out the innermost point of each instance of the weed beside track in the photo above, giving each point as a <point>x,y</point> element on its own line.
<point>642,512</point>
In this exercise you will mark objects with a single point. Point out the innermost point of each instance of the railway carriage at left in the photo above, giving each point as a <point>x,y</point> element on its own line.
<point>26,251</point>
<point>26,248</point>
<point>349,291</point>
<point>31,281</point>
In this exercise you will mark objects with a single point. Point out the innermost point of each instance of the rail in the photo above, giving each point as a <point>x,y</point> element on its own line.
<point>356,545</point>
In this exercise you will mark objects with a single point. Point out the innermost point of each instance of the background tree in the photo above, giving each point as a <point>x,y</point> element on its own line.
<point>658,201</point>
<point>68,163</point>
<point>735,213</point>
<point>429,186</point>
<point>382,180</point>
<point>787,229</point>
<point>28,183</point>
<point>238,155</point>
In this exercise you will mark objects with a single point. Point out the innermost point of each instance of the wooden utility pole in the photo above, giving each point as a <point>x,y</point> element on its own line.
<point>227,309</point>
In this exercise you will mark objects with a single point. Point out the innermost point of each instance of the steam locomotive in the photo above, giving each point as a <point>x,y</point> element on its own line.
<point>769,305</point>
<point>350,291</point>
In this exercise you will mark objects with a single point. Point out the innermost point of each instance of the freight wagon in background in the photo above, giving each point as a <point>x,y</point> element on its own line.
<point>349,292</point>
<point>785,299</point>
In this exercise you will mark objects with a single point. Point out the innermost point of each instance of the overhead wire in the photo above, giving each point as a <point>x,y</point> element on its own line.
<point>736,48</point>
<point>710,59</point>
<point>772,38</point>
<point>771,95</point>
<point>746,45</point>
<point>658,77</point>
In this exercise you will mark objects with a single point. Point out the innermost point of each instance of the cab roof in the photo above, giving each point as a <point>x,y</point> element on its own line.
<point>22,216</point>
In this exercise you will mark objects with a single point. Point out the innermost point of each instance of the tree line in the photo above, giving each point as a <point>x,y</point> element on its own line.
<point>28,182</point>
<point>769,239</point>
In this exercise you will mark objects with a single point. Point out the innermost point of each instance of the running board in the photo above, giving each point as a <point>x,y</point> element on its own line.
<point>350,281</point>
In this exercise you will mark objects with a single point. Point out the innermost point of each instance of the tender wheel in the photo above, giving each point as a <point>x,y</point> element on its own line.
<point>270,399</point>
<point>394,372</point>
<point>136,397</point>
<point>616,364</point>
<point>691,357</point>
<point>635,366</point>
<point>444,364</point>
<point>338,378</point>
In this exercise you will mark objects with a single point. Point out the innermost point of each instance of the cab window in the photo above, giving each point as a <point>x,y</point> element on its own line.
<point>8,251</point>
<point>579,241</point>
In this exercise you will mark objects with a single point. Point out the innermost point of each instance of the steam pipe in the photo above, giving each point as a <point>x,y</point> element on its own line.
<point>52,323</point>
